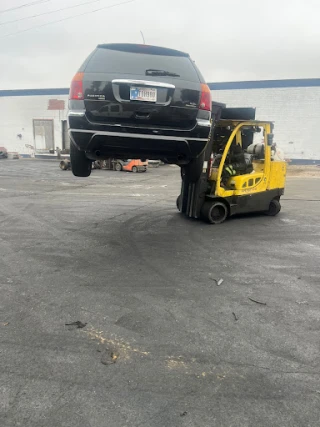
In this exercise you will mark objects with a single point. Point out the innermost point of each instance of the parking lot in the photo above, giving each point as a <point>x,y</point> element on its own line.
<point>163,344</point>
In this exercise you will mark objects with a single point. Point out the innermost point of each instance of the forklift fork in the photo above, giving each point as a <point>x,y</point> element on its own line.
<point>193,194</point>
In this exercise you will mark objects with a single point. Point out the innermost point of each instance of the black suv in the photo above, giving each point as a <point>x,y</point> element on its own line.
<point>139,101</point>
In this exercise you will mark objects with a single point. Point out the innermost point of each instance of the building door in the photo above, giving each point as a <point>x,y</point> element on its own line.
<point>43,135</point>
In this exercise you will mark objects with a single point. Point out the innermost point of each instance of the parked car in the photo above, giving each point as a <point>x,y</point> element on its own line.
<point>3,153</point>
<point>139,102</point>
<point>154,163</point>
<point>131,165</point>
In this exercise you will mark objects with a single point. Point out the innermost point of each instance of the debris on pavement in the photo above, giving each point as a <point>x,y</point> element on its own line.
<point>257,302</point>
<point>183,414</point>
<point>4,323</point>
<point>109,357</point>
<point>218,282</point>
<point>65,165</point>
<point>78,324</point>
<point>302,302</point>
<point>235,316</point>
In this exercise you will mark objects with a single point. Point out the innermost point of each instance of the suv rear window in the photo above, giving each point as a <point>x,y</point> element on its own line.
<point>119,62</point>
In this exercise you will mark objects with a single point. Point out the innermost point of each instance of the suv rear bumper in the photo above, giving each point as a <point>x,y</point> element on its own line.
<point>118,141</point>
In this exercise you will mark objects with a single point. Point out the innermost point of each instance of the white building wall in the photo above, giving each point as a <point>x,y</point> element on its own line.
<point>17,114</point>
<point>295,111</point>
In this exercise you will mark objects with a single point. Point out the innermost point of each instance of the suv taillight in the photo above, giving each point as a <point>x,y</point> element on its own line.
<point>205,100</point>
<point>76,90</point>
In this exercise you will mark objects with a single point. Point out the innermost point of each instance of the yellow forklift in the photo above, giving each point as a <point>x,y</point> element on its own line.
<point>227,188</point>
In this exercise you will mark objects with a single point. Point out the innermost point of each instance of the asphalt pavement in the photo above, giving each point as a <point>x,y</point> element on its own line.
<point>160,344</point>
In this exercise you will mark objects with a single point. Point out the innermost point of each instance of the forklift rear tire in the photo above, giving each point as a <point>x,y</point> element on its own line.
<point>193,170</point>
<point>81,166</point>
<point>134,169</point>
<point>214,212</point>
<point>274,208</point>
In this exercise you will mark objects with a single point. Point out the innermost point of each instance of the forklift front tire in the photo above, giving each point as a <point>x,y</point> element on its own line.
<point>214,212</point>
<point>274,208</point>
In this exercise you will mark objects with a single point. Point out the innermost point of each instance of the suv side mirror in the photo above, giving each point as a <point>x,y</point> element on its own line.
<point>270,139</point>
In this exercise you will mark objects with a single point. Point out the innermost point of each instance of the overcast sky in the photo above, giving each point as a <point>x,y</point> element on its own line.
<point>230,40</point>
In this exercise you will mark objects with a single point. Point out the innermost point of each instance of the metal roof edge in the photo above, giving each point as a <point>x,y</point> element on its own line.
<point>34,92</point>
<point>254,84</point>
<point>265,84</point>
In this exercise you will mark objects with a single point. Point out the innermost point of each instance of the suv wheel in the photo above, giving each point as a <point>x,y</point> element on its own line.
<point>81,166</point>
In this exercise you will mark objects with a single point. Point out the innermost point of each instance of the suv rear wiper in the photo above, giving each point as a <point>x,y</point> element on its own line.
<point>154,72</point>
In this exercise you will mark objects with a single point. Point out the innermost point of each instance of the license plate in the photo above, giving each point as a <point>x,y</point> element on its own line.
<point>143,94</point>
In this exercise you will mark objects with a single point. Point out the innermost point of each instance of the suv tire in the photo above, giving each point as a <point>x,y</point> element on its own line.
<point>81,166</point>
